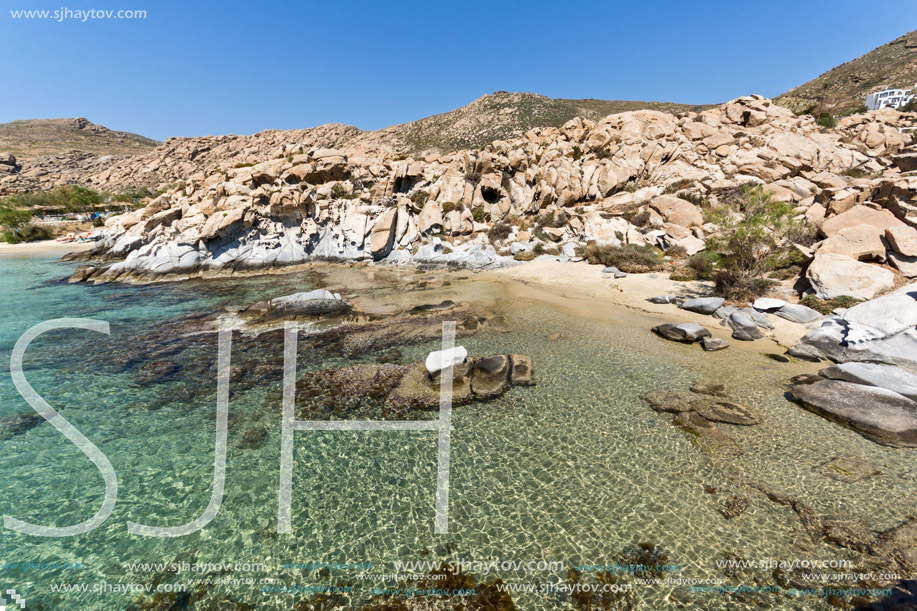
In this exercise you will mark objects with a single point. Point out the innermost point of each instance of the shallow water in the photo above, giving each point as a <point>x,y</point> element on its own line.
<point>576,470</point>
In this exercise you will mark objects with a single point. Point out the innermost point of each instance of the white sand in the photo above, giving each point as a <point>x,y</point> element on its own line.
<point>43,247</point>
<point>583,287</point>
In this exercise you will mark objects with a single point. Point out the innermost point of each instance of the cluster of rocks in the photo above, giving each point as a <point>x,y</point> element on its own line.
<point>626,179</point>
<point>883,330</point>
<point>747,324</point>
<point>393,390</point>
<point>699,417</point>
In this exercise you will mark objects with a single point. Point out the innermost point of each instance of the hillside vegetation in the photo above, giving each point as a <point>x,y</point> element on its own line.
<point>36,137</point>
<point>842,90</point>
<point>504,115</point>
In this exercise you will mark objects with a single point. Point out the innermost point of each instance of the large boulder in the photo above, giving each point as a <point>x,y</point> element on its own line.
<point>882,330</point>
<point>860,215</point>
<point>878,414</point>
<point>678,211</point>
<point>833,275</point>
<point>703,305</point>
<point>903,239</point>
<point>888,377</point>
<point>858,242</point>
<point>727,412</point>
<point>743,326</point>
<point>682,332</point>
<point>382,237</point>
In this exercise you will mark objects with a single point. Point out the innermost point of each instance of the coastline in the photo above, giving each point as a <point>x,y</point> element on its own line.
<point>43,247</point>
<point>583,287</point>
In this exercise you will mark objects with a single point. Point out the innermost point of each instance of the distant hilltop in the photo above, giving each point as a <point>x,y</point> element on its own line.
<point>843,90</point>
<point>33,138</point>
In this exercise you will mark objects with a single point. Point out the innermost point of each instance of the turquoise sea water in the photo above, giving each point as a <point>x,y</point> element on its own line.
<point>574,471</point>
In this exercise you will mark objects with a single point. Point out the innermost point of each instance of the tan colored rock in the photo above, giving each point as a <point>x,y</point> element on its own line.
<point>678,211</point>
<point>859,242</point>
<point>860,215</point>
<point>833,275</point>
<point>431,218</point>
<point>382,236</point>
<point>222,223</point>
<point>903,239</point>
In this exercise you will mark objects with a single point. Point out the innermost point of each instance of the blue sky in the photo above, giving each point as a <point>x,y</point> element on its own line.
<point>238,66</point>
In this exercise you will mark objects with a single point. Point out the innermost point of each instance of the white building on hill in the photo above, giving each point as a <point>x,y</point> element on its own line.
<point>889,98</point>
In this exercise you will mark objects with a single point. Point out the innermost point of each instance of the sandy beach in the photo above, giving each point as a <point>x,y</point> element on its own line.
<point>585,288</point>
<point>43,247</point>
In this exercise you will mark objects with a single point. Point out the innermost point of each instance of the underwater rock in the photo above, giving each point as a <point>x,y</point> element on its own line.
<point>306,304</point>
<point>734,507</point>
<point>520,370</point>
<point>710,388</point>
<point>442,306</point>
<point>707,436</point>
<point>848,469</point>
<point>490,377</point>
<point>19,424</point>
<point>727,412</point>
<point>666,402</point>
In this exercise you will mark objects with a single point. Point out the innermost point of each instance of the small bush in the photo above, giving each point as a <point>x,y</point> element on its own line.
<point>827,120</point>
<point>450,206</point>
<point>479,215</point>
<point>755,239</point>
<point>630,258</point>
<point>473,177</point>
<point>27,233</point>
<point>577,153</point>
<point>524,255</point>
<point>703,264</point>
<point>339,191</point>
<point>419,198</point>
<point>826,306</point>
<point>499,231</point>
<point>856,172</point>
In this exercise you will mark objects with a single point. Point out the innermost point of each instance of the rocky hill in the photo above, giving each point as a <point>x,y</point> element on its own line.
<point>504,115</point>
<point>636,179</point>
<point>493,117</point>
<point>37,137</point>
<point>842,90</point>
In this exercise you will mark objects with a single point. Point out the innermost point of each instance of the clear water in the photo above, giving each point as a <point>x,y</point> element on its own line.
<point>577,469</point>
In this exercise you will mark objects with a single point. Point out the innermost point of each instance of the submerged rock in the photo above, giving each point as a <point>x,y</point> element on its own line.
<point>666,402</point>
<point>11,426</point>
<point>707,436</point>
<point>315,303</point>
<point>682,332</point>
<point>727,412</point>
<point>848,469</point>
<point>710,388</point>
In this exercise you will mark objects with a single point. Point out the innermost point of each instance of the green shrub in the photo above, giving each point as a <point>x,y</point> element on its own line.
<point>419,198</point>
<point>64,199</point>
<point>473,177</point>
<point>479,215</point>
<point>524,255</point>
<point>130,195</point>
<point>12,218</point>
<point>500,231</point>
<point>703,264</point>
<point>856,172</point>
<point>339,191</point>
<point>577,153</point>
<point>826,306</point>
<point>827,120</point>
<point>27,233</point>
<point>755,238</point>
<point>630,258</point>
